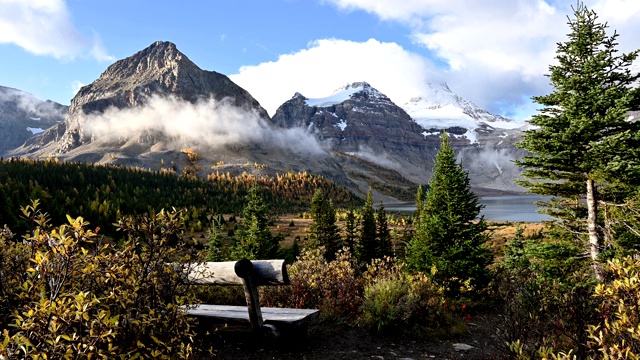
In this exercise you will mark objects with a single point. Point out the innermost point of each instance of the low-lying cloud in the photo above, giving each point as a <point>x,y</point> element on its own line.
<point>207,122</point>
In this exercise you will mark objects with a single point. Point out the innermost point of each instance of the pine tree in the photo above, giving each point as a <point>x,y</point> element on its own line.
<point>583,141</point>
<point>448,235</point>
<point>367,244</point>
<point>324,230</point>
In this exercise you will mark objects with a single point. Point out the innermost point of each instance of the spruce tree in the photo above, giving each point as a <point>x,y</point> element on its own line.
<point>582,142</point>
<point>367,244</point>
<point>385,248</point>
<point>324,230</point>
<point>351,230</point>
<point>253,237</point>
<point>448,234</point>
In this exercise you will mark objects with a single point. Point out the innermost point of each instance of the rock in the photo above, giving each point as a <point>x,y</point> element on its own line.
<point>462,347</point>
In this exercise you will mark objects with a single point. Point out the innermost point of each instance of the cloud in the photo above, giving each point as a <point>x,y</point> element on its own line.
<point>329,64</point>
<point>207,122</point>
<point>44,27</point>
<point>496,51</point>
<point>76,85</point>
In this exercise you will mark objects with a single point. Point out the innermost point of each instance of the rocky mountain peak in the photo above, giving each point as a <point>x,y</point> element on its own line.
<point>158,70</point>
<point>160,57</point>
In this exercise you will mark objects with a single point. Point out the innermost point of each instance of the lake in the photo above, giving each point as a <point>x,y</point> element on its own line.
<point>498,208</point>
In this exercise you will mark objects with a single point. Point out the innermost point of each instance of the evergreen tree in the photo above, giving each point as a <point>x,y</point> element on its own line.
<point>419,202</point>
<point>448,235</point>
<point>385,248</point>
<point>583,142</point>
<point>351,230</point>
<point>324,230</point>
<point>253,237</point>
<point>367,244</point>
<point>216,250</point>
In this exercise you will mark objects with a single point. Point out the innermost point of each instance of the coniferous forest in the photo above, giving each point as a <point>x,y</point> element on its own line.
<point>102,194</point>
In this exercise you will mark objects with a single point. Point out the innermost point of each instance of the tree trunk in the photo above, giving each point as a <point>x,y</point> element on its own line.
<point>594,238</point>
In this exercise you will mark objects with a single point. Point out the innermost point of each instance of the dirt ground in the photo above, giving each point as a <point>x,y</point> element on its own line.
<point>335,341</point>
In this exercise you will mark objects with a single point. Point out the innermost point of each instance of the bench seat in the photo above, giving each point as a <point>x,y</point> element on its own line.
<point>270,315</point>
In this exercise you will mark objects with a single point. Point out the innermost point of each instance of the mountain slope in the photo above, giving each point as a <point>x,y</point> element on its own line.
<point>22,116</point>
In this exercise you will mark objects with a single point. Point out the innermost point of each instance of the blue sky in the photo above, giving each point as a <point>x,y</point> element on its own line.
<point>492,52</point>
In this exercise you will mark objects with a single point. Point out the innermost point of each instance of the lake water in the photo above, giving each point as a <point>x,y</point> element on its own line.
<point>499,208</point>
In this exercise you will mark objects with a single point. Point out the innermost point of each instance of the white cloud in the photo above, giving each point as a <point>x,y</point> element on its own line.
<point>44,27</point>
<point>76,85</point>
<point>497,51</point>
<point>329,64</point>
<point>207,122</point>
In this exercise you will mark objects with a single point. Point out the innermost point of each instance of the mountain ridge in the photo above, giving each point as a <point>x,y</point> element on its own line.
<point>339,136</point>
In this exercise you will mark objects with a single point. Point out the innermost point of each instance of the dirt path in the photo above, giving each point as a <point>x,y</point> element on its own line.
<point>330,341</point>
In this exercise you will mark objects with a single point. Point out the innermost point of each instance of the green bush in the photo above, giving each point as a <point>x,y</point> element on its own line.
<point>394,298</point>
<point>64,295</point>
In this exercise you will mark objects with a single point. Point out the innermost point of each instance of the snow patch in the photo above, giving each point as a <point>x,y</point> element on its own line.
<point>342,125</point>
<point>504,135</point>
<point>338,97</point>
<point>345,93</point>
<point>35,118</point>
<point>425,134</point>
<point>35,131</point>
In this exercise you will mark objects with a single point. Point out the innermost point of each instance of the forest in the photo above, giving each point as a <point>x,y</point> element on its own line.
<point>102,194</point>
<point>570,291</point>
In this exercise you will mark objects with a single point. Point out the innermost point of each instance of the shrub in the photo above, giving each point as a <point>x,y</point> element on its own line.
<point>67,296</point>
<point>618,334</point>
<point>394,298</point>
<point>332,287</point>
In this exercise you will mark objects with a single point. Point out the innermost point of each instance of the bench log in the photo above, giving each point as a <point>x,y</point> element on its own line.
<point>250,274</point>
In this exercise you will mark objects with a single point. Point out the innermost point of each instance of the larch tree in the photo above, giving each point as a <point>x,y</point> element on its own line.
<point>583,142</point>
<point>449,234</point>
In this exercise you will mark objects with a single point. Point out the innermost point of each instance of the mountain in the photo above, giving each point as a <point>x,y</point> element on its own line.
<point>159,69</point>
<point>361,125</point>
<point>158,110</point>
<point>22,116</point>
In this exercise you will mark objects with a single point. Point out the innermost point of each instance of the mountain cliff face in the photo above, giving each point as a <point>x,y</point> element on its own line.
<point>358,122</point>
<point>22,116</point>
<point>160,70</point>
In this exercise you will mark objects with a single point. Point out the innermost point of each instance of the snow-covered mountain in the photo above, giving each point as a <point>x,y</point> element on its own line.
<point>442,109</point>
<point>360,124</point>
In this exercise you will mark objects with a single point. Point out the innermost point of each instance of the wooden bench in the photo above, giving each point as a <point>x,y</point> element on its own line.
<point>249,274</point>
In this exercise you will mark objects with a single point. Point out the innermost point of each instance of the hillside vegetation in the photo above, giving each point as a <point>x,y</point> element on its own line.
<point>102,194</point>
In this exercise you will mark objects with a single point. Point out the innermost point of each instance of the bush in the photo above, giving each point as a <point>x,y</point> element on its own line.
<point>332,287</point>
<point>64,295</point>
<point>394,298</point>
<point>618,334</point>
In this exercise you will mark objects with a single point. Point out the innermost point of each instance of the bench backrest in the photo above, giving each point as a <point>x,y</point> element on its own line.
<point>248,273</point>
<point>263,272</point>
